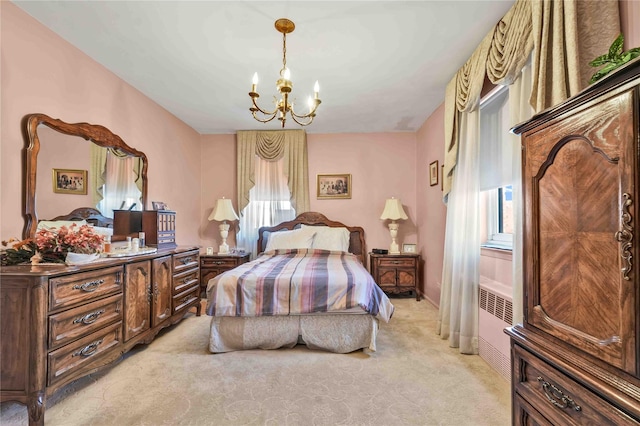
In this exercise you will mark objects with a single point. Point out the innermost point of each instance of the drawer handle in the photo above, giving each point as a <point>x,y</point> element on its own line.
<point>186,260</point>
<point>89,286</point>
<point>89,350</point>
<point>218,262</point>
<point>625,236</point>
<point>186,299</point>
<point>89,318</point>
<point>554,394</point>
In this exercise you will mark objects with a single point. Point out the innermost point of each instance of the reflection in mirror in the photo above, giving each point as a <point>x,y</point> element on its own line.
<point>116,173</point>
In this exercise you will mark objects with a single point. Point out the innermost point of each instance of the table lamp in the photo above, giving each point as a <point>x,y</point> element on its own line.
<point>223,212</point>
<point>393,210</point>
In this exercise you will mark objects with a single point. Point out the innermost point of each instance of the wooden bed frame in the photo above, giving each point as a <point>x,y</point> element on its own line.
<point>356,233</point>
<point>89,214</point>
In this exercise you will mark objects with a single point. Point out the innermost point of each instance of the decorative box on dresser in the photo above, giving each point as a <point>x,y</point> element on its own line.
<point>396,273</point>
<point>576,356</point>
<point>60,323</point>
<point>212,265</point>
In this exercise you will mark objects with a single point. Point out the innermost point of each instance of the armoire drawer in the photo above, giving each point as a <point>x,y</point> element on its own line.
<point>558,397</point>
<point>73,357</point>
<point>70,290</point>
<point>83,320</point>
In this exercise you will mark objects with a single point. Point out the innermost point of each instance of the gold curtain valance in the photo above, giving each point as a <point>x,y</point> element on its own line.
<point>289,145</point>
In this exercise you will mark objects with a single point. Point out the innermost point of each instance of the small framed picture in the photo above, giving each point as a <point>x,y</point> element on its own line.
<point>158,205</point>
<point>209,251</point>
<point>433,173</point>
<point>333,186</point>
<point>66,181</point>
<point>408,248</point>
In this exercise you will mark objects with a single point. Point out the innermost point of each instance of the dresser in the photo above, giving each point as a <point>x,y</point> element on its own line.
<point>576,356</point>
<point>396,273</point>
<point>212,265</point>
<point>60,323</point>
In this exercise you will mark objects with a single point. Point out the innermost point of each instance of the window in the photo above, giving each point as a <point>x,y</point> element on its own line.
<point>495,169</point>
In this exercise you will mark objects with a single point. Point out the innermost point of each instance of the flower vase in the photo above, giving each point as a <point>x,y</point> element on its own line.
<point>81,258</point>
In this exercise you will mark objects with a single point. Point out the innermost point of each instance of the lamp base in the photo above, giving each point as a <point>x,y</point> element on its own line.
<point>393,230</point>
<point>223,249</point>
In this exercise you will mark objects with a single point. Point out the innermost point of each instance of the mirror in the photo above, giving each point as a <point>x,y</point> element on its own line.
<point>64,152</point>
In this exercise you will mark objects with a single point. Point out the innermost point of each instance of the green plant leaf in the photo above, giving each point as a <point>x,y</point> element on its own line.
<point>616,47</point>
<point>600,60</point>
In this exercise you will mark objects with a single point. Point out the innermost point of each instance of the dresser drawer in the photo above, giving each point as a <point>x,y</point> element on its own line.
<point>73,289</point>
<point>73,357</point>
<point>184,261</point>
<point>186,298</point>
<point>185,280</point>
<point>397,263</point>
<point>78,322</point>
<point>558,397</point>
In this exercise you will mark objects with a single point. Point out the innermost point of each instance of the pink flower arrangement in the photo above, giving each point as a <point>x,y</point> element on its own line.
<point>52,245</point>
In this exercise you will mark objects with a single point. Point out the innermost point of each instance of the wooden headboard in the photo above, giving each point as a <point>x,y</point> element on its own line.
<point>89,214</point>
<point>356,233</point>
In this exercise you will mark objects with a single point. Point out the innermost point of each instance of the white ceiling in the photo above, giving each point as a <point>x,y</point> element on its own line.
<point>382,65</point>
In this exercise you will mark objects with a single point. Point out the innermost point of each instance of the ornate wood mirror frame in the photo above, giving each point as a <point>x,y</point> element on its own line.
<point>97,134</point>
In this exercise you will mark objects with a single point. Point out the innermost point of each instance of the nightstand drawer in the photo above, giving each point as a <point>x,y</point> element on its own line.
<point>398,263</point>
<point>558,397</point>
<point>210,262</point>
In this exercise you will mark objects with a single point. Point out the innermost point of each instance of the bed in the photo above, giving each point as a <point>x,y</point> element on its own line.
<point>308,286</point>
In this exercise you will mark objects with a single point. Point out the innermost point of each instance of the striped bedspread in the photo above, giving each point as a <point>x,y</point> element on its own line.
<point>297,282</point>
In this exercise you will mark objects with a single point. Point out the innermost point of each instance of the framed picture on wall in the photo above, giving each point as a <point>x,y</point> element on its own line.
<point>66,181</point>
<point>333,186</point>
<point>433,173</point>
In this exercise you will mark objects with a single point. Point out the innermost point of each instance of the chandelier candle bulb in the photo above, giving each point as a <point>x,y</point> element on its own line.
<point>254,86</point>
<point>316,89</point>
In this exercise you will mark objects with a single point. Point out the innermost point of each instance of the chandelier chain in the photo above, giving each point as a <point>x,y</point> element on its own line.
<point>284,51</point>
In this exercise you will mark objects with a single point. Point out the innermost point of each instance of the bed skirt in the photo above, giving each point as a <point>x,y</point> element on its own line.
<point>339,333</point>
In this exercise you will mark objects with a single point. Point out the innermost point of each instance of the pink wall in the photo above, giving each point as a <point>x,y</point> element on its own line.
<point>43,73</point>
<point>431,210</point>
<point>381,166</point>
<point>218,180</point>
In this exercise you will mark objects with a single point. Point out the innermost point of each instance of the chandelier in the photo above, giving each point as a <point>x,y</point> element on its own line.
<point>284,85</point>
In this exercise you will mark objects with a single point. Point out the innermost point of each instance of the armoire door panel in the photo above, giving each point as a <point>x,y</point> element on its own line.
<point>576,177</point>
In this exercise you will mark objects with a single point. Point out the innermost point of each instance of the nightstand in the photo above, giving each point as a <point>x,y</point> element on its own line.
<point>212,265</point>
<point>396,273</point>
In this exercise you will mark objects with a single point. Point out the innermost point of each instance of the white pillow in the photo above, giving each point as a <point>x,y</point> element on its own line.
<point>51,224</point>
<point>328,238</point>
<point>296,239</point>
<point>102,230</point>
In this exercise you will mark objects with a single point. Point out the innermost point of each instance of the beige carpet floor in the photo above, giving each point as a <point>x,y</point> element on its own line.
<point>414,378</point>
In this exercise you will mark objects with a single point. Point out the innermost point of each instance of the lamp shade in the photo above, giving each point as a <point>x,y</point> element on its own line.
<point>223,211</point>
<point>393,210</point>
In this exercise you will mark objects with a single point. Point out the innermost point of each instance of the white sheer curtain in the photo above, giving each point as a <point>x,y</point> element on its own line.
<point>458,313</point>
<point>269,203</point>
<point>519,110</point>
<point>120,190</point>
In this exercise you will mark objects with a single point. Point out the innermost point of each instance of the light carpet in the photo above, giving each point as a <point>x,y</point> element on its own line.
<point>414,378</point>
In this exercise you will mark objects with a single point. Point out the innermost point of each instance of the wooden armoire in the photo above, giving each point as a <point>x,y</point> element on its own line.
<point>576,356</point>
